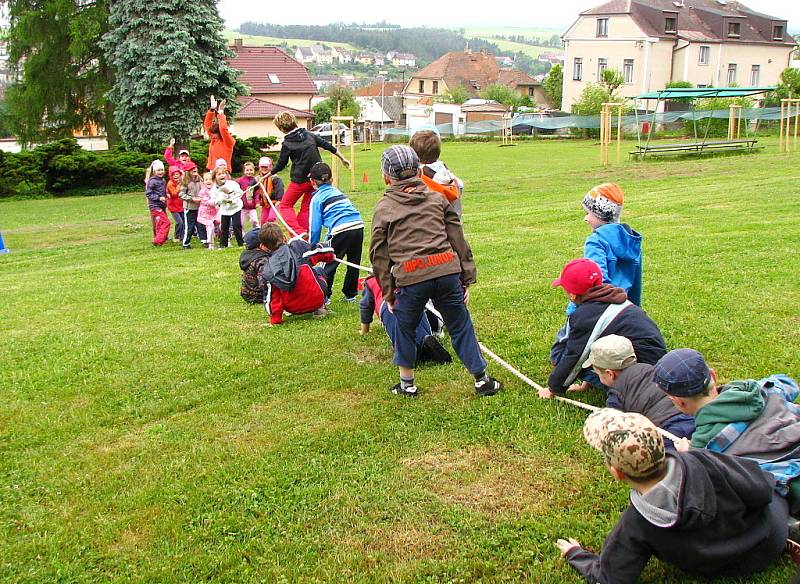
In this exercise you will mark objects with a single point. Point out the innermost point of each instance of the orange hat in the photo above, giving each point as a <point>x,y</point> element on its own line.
<point>604,202</point>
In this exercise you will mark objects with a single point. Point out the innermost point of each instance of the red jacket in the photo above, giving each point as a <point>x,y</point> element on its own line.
<point>174,201</point>
<point>306,297</point>
<point>218,147</point>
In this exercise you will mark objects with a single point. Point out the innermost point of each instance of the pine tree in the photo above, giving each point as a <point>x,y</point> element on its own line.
<point>169,58</point>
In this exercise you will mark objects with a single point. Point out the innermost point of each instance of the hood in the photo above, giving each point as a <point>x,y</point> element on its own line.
<point>605,293</point>
<point>740,401</point>
<point>411,191</point>
<point>626,242</point>
<point>281,269</point>
<point>249,256</point>
<point>298,135</point>
<point>660,504</point>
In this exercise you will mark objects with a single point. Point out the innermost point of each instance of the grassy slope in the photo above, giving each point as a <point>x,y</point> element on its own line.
<point>532,51</point>
<point>151,429</point>
<point>253,40</point>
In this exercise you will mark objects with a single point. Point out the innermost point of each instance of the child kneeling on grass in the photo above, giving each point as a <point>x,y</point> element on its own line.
<point>251,262</point>
<point>419,253</point>
<point>707,513</point>
<point>290,282</point>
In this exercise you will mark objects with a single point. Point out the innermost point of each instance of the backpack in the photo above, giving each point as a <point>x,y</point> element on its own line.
<point>252,290</point>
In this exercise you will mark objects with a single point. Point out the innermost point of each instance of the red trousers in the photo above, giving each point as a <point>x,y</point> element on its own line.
<point>160,226</point>
<point>286,205</point>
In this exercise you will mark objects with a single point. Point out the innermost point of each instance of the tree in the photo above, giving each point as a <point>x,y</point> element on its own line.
<point>339,99</point>
<point>457,95</point>
<point>62,75</point>
<point>591,100</point>
<point>554,86</point>
<point>611,79</point>
<point>169,58</point>
<point>789,87</point>
<point>501,94</point>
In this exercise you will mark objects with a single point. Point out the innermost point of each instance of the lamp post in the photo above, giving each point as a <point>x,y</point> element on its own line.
<point>383,88</point>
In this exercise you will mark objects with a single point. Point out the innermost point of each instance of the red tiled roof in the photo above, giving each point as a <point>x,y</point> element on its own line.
<point>515,78</point>
<point>374,90</point>
<point>254,108</point>
<point>257,63</point>
<point>461,68</point>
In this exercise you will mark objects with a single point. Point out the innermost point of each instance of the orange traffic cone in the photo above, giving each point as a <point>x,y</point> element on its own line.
<point>365,178</point>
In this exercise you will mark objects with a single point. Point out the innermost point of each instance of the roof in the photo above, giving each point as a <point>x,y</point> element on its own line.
<point>474,71</point>
<point>258,63</point>
<point>699,92</point>
<point>389,88</point>
<point>697,19</point>
<point>515,78</point>
<point>254,108</point>
<point>493,107</point>
<point>393,107</point>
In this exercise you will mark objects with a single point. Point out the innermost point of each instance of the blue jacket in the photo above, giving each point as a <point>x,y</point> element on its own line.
<point>617,249</point>
<point>333,210</point>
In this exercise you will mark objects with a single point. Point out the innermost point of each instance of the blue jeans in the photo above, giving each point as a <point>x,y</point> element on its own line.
<point>391,327</point>
<point>447,295</point>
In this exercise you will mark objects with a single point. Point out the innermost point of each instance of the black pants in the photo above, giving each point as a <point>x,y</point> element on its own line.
<point>191,226</point>
<point>346,245</point>
<point>226,229</point>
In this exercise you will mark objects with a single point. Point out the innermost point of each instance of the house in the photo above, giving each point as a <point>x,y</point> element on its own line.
<point>378,59</point>
<point>653,42</point>
<point>322,56</point>
<point>304,55</point>
<point>273,78</point>
<point>403,60</point>
<point>552,58</point>
<point>323,82</point>
<point>365,58</point>
<point>524,84</point>
<point>341,55</point>
<point>504,61</point>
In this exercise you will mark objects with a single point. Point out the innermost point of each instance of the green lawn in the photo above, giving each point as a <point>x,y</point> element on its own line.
<point>152,429</point>
<point>253,40</point>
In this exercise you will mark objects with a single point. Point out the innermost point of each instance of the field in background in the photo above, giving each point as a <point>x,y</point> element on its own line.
<point>253,40</point>
<point>153,429</point>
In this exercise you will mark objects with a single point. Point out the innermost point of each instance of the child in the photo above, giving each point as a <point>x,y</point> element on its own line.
<point>753,419</point>
<point>435,174</point>
<point>601,310</point>
<point>302,147</point>
<point>706,513</point>
<point>418,252</point>
<point>174,202</point>
<point>251,261</point>
<point>183,162</point>
<point>190,194</point>
<point>631,386</point>
<point>345,229</point>
<point>290,282</point>
<point>429,349</point>
<point>221,142</point>
<point>227,195</point>
<point>207,211</point>
<point>249,198</point>
<point>156,193</point>
<point>273,190</point>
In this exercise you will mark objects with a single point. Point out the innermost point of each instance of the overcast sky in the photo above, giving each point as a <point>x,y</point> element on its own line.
<point>447,13</point>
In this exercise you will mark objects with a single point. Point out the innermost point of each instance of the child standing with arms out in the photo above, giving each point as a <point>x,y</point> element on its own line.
<point>207,211</point>
<point>249,198</point>
<point>156,193</point>
<point>183,161</point>
<point>302,147</point>
<point>418,252</point>
<point>190,193</point>
<point>272,191</point>
<point>174,202</point>
<point>435,174</point>
<point>227,195</point>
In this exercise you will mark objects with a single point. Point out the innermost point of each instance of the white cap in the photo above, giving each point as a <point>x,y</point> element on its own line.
<point>221,162</point>
<point>157,165</point>
<point>265,161</point>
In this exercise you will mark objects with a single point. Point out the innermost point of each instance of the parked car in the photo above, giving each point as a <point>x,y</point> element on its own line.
<point>324,131</point>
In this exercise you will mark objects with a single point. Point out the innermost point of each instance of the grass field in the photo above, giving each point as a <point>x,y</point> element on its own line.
<point>152,429</point>
<point>533,51</point>
<point>253,40</point>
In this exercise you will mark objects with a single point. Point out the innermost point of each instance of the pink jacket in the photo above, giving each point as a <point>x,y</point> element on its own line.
<point>207,211</point>
<point>172,161</point>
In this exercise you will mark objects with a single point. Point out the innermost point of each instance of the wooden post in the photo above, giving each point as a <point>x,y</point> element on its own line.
<point>780,140</point>
<point>606,131</point>
<point>790,122</point>
<point>335,120</point>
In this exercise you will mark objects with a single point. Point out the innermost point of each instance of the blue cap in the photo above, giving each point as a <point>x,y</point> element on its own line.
<point>682,373</point>
<point>251,240</point>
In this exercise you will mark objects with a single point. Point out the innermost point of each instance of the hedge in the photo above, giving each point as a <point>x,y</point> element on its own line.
<point>62,168</point>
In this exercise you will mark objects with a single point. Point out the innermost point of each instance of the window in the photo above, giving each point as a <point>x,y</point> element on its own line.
<point>731,74</point>
<point>755,75</point>
<point>273,78</point>
<point>602,27</point>
<point>577,69</point>
<point>435,88</point>
<point>421,86</point>
<point>627,70</point>
<point>531,92</point>
<point>777,32</point>
<point>602,65</point>
<point>734,28</point>
<point>671,24</point>
<point>705,55</point>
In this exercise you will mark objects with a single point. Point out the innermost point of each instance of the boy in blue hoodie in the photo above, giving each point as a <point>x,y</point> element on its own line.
<point>331,209</point>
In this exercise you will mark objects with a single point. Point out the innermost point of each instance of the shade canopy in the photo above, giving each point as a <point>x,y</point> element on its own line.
<point>701,92</point>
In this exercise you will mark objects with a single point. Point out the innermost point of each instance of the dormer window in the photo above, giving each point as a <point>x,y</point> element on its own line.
<point>734,29</point>
<point>777,32</point>
<point>602,27</point>
<point>670,24</point>
<point>273,78</point>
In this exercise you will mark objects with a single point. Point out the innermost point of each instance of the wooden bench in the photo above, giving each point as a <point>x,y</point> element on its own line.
<point>643,150</point>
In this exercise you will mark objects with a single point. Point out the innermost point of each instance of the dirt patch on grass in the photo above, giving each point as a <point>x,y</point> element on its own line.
<point>401,540</point>
<point>494,481</point>
<point>365,355</point>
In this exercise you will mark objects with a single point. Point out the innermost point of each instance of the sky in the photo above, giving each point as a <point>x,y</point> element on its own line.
<point>451,14</point>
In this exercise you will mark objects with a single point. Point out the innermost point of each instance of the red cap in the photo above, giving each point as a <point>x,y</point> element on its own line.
<point>579,275</point>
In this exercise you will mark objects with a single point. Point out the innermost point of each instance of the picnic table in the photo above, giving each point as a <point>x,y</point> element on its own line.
<point>642,150</point>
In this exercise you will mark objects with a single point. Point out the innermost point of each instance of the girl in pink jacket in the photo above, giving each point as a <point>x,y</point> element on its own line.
<point>207,212</point>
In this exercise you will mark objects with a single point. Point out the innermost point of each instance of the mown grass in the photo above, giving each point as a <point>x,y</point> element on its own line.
<point>152,429</point>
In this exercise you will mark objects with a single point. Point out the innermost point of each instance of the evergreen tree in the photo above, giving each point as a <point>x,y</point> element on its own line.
<point>553,85</point>
<point>169,59</point>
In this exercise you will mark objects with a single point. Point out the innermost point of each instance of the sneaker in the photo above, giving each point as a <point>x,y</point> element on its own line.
<point>487,386</point>
<point>408,391</point>
<point>433,351</point>
<point>327,301</point>
<point>351,299</point>
<point>320,312</point>
<point>793,549</point>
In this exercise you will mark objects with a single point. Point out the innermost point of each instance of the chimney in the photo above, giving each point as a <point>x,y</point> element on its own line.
<point>238,43</point>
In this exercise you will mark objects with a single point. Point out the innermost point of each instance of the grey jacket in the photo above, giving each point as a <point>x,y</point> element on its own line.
<point>635,391</point>
<point>187,192</point>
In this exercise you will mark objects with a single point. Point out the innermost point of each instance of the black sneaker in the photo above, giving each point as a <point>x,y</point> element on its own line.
<point>435,352</point>
<point>487,386</point>
<point>410,391</point>
<point>793,549</point>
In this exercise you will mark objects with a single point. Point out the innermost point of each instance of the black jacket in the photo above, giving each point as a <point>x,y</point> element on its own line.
<point>302,147</point>
<point>632,322</point>
<point>730,523</point>
<point>635,391</point>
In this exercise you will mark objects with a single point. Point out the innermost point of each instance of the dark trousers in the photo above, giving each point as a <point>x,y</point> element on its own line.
<point>389,321</point>
<point>190,226</point>
<point>346,245</point>
<point>179,225</point>
<point>225,234</point>
<point>447,295</point>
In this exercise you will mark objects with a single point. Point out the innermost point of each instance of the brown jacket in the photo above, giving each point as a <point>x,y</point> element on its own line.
<point>416,236</point>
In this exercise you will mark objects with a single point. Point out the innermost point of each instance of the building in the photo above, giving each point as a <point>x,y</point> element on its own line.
<point>276,82</point>
<point>304,55</point>
<point>524,84</point>
<point>402,59</point>
<point>715,43</point>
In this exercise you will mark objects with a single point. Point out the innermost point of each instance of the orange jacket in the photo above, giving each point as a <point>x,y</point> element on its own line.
<point>449,192</point>
<point>219,147</point>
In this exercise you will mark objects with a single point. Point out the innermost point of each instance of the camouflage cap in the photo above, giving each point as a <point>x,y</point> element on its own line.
<point>628,441</point>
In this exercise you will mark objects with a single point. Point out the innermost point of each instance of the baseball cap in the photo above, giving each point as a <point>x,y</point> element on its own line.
<point>265,161</point>
<point>399,162</point>
<point>184,151</point>
<point>320,171</point>
<point>251,238</point>
<point>611,352</point>
<point>579,275</point>
<point>682,373</point>
<point>628,441</point>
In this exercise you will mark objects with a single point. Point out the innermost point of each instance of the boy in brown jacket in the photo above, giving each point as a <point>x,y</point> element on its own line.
<point>418,252</point>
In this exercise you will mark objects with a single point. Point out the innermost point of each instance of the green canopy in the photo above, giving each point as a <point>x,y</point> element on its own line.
<point>699,92</point>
